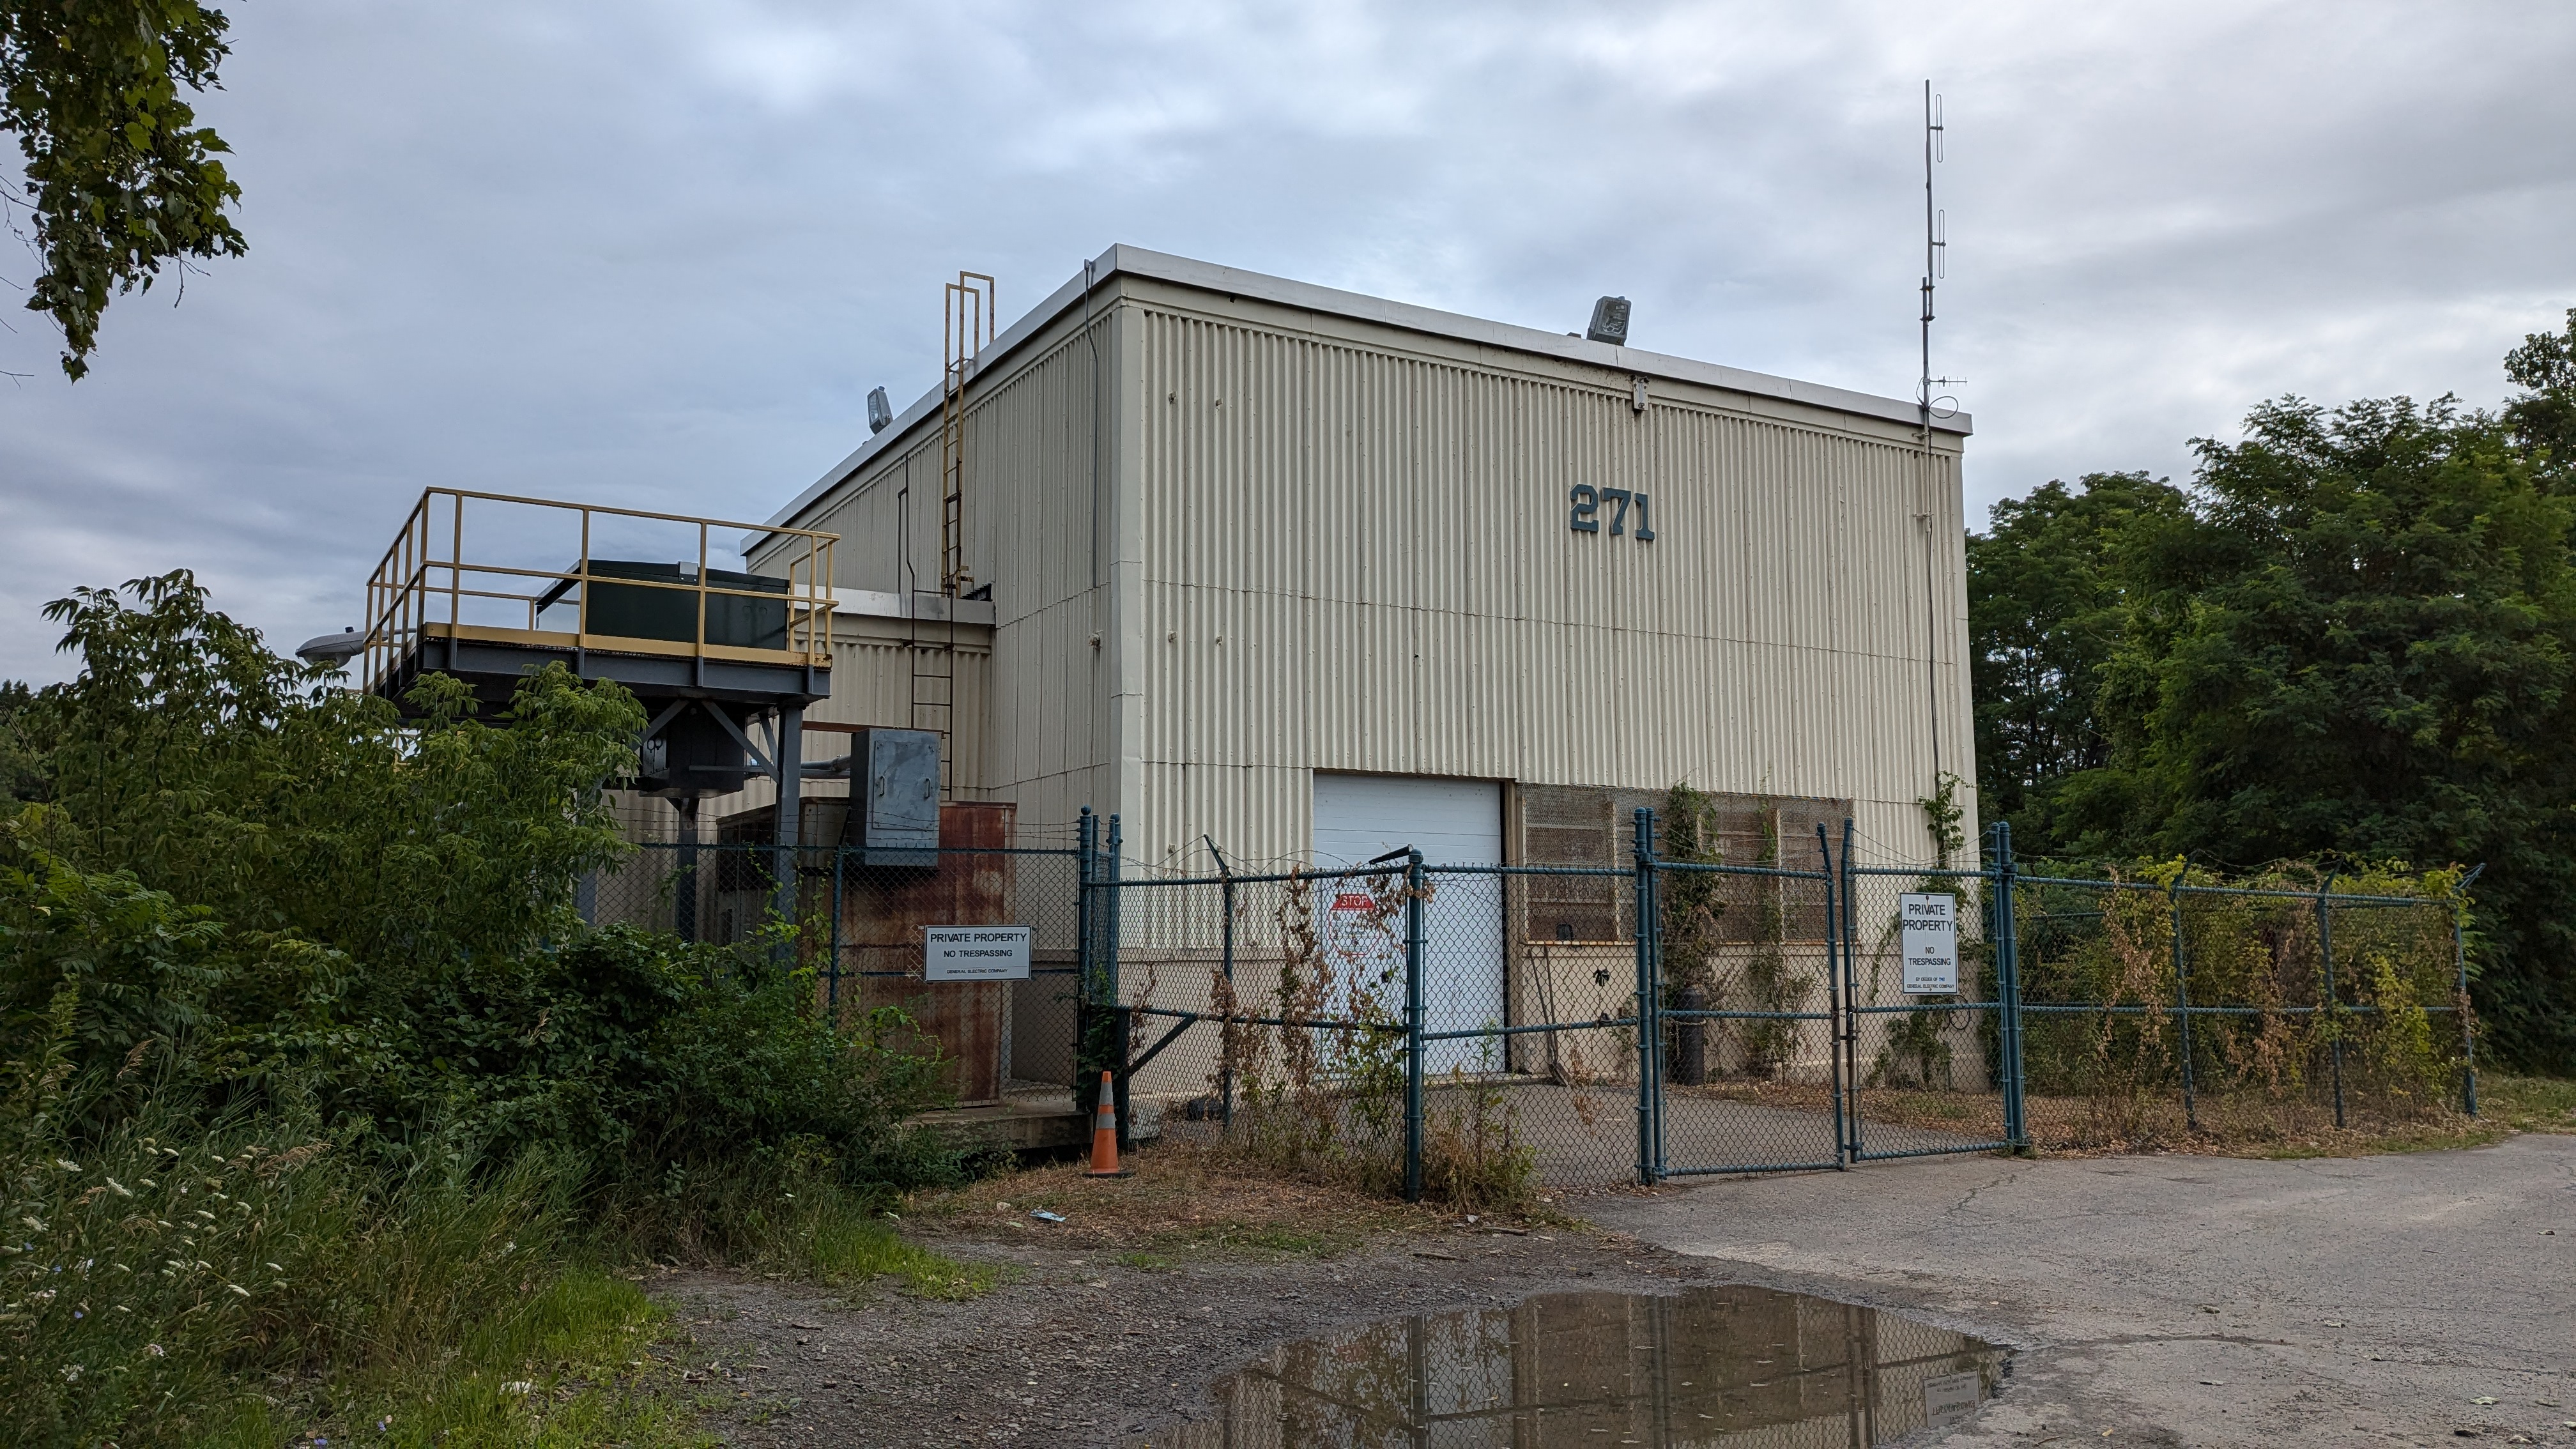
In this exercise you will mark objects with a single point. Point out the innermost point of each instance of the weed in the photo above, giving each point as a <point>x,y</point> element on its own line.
<point>2528,1104</point>
<point>1265,1238</point>
<point>840,1242</point>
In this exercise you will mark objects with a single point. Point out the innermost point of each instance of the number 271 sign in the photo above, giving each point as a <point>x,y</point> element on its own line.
<point>1590,502</point>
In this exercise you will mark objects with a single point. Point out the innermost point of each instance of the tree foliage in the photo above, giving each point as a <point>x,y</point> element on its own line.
<point>2353,635</point>
<point>120,177</point>
<point>265,890</point>
<point>2048,593</point>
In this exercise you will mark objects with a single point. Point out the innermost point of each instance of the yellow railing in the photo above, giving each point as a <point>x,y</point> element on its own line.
<point>421,592</point>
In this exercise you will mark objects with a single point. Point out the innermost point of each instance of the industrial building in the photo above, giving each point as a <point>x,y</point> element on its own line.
<point>1293,573</point>
<point>1276,576</point>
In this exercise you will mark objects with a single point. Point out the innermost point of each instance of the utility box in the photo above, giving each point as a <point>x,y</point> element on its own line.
<point>894,811</point>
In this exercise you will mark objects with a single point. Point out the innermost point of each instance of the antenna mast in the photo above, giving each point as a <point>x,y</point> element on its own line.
<point>1936,248</point>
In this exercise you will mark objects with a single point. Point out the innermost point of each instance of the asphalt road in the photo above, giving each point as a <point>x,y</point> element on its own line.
<point>2177,1300</point>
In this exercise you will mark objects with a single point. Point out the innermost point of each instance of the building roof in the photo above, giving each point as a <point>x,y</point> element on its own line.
<point>1208,276</point>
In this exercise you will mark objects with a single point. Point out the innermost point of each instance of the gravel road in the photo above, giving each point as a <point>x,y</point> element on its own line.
<point>2177,1300</point>
<point>2159,1300</point>
<point>805,1367</point>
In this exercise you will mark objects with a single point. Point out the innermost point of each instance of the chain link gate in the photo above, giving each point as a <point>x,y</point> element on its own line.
<point>1747,1071</point>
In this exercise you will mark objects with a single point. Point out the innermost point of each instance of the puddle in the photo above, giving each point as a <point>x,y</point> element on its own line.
<point>1582,1370</point>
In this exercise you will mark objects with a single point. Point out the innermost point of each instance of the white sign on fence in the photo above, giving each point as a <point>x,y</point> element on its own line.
<point>1930,927</point>
<point>975,953</point>
<point>1953,1398</point>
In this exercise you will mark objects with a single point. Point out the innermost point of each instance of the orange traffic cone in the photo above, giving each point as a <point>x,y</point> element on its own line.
<point>1104,1135</point>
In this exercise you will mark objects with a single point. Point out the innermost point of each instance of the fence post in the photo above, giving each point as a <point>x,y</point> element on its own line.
<point>1110,869</point>
<point>840,857</point>
<point>1086,945</point>
<point>2008,983</point>
<point>1649,1019</point>
<point>1122,1022</point>
<point>1848,1030</point>
<point>2182,1002</point>
<point>1225,1069</point>
<point>1413,1026</point>
<point>1086,844</point>
<point>2468,1021</point>
<point>791,830</point>
<point>684,895</point>
<point>2334,1013</point>
<point>1837,947</point>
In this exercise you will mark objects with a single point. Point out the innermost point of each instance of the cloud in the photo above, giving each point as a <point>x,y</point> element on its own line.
<point>657,253</point>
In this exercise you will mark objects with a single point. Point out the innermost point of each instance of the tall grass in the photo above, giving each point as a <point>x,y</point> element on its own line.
<point>240,1282</point>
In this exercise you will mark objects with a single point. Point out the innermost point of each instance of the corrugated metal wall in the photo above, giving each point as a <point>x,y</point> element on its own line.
<point>1339,546</point>
<point>1355,556</point>
<point>1029,523</point>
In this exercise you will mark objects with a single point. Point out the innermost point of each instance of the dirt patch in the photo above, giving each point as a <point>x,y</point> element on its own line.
<point>1108,1327</point>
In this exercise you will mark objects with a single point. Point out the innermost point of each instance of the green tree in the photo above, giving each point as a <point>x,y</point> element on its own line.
<point>275,889</point>
<point>119,177</point>
<point>2355,637</point>
<point>2366,647</point>
<point>2544,418</point>
<point>189,755</point>
<point>22,768</point>
<point>2048,590</point>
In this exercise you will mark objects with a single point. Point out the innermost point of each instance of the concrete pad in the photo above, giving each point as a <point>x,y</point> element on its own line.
<point>2195,1300</point>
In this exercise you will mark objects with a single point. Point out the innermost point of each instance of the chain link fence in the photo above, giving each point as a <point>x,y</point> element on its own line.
<point>859,930</point>
<point>2156,1011</point>
<point>1478,1032</point>
<point>1474,1031</point>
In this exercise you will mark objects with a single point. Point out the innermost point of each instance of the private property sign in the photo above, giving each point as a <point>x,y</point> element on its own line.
<point>975,953</point>
<point>1930,928</point>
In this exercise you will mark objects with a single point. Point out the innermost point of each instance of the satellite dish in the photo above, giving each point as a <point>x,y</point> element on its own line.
<point>880,412</point>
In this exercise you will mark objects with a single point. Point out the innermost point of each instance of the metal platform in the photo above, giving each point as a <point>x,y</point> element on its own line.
<point>466,590</point>
<point>491,661</point>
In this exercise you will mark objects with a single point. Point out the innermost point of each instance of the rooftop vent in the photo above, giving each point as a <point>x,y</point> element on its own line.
<point>1610,321</point>
<point>881,412</point>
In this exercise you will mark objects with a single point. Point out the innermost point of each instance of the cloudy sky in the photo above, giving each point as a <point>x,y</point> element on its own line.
<point>656,253</point>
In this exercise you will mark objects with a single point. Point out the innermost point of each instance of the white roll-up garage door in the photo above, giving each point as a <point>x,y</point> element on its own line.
<point>1452,822</point>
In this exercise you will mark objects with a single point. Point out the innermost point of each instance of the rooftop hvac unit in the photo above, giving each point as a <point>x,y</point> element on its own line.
<point>640,610</point>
